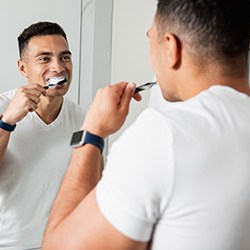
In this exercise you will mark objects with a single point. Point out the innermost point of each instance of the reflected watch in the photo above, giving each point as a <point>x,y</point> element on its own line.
<point>6,126</point>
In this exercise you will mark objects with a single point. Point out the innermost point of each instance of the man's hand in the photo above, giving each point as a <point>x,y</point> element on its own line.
<point>25,100</point>
<point>109,109</point>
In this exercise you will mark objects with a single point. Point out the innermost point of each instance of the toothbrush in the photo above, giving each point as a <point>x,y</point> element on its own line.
<point>145,86</point>
<point>60,82</point>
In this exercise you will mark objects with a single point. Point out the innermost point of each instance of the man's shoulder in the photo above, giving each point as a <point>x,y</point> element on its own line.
<point>5,99</point>
<point>72,106</point>
<point>72,110</point>
<point>8,95</point>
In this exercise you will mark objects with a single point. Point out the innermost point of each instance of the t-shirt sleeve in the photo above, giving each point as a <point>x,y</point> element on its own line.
<point>5,99</point>
<point>138,177</point>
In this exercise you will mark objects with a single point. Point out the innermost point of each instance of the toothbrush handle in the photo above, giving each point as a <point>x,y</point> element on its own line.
<point>144,86</point>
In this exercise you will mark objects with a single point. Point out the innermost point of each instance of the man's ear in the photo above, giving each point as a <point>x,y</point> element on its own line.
<point>22,67</point>
<point>173,47</point>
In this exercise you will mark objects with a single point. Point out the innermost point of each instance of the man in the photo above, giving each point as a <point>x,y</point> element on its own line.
<point>179,177</point>
<point>34,154</point>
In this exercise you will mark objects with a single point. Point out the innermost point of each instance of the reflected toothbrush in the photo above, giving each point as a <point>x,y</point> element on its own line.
<point>55,81</point>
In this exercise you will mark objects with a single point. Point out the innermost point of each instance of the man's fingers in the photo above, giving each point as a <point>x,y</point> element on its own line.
<point>127,95</point>
<point>37,89</point>
<point>31,108</point>
<point>34,98</point>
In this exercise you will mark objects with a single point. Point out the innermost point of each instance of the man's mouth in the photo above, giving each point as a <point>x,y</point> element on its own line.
<point>55,81</point>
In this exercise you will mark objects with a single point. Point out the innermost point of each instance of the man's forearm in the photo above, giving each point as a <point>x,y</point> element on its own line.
<point>4,140</point>
<point>82,176</point>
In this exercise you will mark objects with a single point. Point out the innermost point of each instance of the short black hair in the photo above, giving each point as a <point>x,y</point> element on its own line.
<point>211,29</point>
<point>38,29</point>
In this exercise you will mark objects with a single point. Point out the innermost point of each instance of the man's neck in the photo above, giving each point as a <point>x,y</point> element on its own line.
<point>49,108</point>
<point>202,80</point>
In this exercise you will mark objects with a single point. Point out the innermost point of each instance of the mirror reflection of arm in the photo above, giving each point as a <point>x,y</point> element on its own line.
<point>24,101</point>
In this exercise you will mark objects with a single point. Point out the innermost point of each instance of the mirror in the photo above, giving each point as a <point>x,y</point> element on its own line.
<point>37,154</point>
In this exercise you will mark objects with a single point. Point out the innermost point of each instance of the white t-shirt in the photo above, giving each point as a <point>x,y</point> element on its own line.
<point>34,164</point>
<point>181,176</point>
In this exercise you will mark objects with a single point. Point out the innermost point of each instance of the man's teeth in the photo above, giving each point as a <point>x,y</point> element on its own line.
<point>55,80</point>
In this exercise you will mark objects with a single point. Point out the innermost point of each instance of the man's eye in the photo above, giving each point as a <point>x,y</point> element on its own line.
<point>43,59</point>
<point>66,58</point>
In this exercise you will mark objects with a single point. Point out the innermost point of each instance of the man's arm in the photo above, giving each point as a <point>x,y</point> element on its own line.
<point>76,221</point>
<point>25,100</point>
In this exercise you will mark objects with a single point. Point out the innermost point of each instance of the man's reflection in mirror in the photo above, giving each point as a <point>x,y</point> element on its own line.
<point>36,124</point>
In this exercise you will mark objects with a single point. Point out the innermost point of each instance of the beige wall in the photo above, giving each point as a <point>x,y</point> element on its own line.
<point>130,48</point>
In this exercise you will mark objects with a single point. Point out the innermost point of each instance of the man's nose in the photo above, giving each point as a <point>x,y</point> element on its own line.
<point>57,65</point>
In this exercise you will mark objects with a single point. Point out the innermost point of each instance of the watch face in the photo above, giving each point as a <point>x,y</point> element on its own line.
<point>76,138</point>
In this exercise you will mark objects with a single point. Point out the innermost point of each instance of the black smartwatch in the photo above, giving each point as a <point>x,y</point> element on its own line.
<point>83,137</point>
<point>6,126</point>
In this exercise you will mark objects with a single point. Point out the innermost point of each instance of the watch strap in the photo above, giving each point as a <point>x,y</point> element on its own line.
<point>6,126</point>
<point>94,139</point>
<point>83,137</point>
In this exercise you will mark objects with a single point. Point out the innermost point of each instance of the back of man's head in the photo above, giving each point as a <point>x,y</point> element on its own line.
<point>211,30</point>
<point>38,29</point>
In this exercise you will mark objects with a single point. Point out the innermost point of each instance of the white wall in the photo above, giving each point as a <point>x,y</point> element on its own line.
<point>130,49</point>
